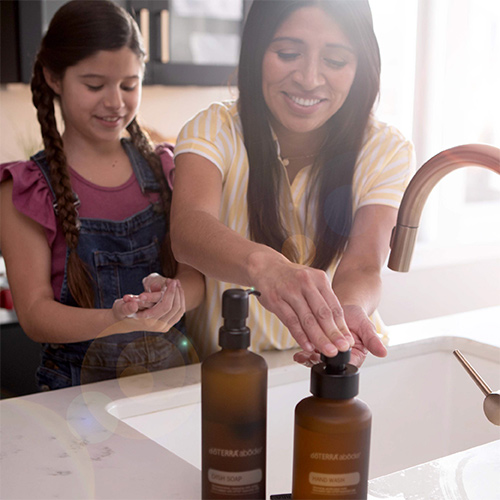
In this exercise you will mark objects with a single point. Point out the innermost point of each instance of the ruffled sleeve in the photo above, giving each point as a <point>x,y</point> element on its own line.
<point>31,194</point>
<point>166,153</point>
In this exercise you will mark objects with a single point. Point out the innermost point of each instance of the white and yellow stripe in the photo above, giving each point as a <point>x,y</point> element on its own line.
<point>382,172</point>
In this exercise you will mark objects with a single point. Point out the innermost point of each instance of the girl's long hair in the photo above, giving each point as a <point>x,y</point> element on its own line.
<point>333,170</point>
<point>78,30</point>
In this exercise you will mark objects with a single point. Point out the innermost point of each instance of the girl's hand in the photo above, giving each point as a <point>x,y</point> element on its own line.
<point>156,309</point>
<point>303,299</point>
<point>166,304</point>
<point>365,336</point>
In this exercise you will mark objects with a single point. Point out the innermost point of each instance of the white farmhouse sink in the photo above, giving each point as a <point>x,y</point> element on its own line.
<point>425,406</point>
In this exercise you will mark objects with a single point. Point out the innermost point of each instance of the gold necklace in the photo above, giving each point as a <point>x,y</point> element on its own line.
<point>286,161</point>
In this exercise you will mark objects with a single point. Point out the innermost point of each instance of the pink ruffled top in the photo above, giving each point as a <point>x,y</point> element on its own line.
<point>32,197</point>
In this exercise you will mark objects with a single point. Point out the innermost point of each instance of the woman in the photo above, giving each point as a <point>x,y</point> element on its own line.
<point>294,188</point>
<point>83,221</point>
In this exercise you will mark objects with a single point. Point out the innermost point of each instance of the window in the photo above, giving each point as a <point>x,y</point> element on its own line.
<point>440,81</point>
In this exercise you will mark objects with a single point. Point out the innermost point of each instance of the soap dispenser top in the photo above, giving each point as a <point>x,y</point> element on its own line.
<point>335,378</point>
<point>234,334</point>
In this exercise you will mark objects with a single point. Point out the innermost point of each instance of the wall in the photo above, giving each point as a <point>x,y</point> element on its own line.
<point>441,281</point>
<point>164,109</point>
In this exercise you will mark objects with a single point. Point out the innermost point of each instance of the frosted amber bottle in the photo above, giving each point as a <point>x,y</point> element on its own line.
<point>234,409</point>
<point>332,435</point>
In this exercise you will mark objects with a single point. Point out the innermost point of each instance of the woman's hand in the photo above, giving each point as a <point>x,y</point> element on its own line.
<point>365,336</point>
<point>303,299</point>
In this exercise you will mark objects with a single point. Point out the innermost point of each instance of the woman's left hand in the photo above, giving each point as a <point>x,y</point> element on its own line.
<point>365,339</point>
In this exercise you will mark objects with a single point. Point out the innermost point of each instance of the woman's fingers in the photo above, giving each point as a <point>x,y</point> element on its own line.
<point>337,313</point>
<point>330,317</point>
<point>365,335</point>
<point>370,339</point>
<point>304,301</point>
<point>308,359</point>
<point>290,319</point>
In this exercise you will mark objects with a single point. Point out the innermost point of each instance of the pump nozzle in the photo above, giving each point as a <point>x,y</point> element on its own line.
<point>335,378</point>
<point>234,333</point>
<point>337,364</point>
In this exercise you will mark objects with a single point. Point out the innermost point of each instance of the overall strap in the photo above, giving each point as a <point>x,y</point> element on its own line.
<point>142,169</point>
<point>41,161</point>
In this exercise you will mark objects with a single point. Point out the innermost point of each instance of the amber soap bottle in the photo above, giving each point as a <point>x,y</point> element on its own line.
<point>234,409</point>
<point>332,435</point>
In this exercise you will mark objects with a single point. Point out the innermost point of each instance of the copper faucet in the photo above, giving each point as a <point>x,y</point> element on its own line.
<point>404,233</point>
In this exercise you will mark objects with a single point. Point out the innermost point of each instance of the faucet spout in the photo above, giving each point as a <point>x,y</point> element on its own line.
<point>404,234</point>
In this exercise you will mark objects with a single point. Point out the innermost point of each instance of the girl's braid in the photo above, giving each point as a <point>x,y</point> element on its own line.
<point>79,278</point>
<point>144,145</point>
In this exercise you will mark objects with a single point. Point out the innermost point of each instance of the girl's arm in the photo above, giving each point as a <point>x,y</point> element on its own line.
<point>28,262</point>
<point>300,296</point>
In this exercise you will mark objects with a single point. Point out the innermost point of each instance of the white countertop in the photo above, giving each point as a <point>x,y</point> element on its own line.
<point>64,444</point>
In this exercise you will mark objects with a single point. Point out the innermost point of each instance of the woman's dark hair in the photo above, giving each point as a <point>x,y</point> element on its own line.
<point>333,169</point>
<point>78,30</point>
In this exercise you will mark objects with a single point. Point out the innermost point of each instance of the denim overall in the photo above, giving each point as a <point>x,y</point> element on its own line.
<point>119,255</point>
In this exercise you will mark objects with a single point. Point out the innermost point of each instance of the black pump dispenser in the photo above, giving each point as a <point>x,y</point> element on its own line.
<point>234,334</point>
<point>335,378</point>
<point>332,435</point>
<point>234,410</point>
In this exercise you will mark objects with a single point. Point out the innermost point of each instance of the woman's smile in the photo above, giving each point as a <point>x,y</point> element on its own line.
<point>306,105</point>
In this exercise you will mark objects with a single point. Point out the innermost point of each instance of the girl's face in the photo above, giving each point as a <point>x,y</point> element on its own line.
<point>100,95</point>
<point>307,71</point>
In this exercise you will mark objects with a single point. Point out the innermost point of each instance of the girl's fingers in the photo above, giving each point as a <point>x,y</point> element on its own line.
<point>164,305</point>
<point>154,282</point>
<point>123,309</point>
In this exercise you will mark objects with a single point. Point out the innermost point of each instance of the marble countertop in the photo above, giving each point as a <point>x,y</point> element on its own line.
<point>64,444</point>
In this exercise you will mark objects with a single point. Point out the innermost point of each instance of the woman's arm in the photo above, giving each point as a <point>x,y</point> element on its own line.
<point>301,297</point>
<point>28,262</point>
<point>357,282</point>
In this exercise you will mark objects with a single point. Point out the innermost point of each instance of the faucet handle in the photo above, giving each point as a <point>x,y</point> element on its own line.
<point>491,405</point>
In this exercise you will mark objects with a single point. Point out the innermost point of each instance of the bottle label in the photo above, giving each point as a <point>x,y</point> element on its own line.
<point>249,452</point>
<point>334,480</point>
<point>235,478</point>
<point>233,460</point>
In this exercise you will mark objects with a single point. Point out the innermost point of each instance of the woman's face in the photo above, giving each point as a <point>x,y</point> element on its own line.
<point>307,71</point>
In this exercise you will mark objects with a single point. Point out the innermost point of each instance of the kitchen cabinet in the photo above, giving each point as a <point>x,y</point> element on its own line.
<point>20,357</point>
<point>189,42</point>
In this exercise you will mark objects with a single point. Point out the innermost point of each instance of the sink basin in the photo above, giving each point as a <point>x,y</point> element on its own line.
<point>424,405</point>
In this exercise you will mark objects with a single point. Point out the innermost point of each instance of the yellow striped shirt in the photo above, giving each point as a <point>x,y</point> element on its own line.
<point>382,172</point>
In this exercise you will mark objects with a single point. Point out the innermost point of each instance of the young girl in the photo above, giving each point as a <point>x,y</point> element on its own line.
<point>86,220</point>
